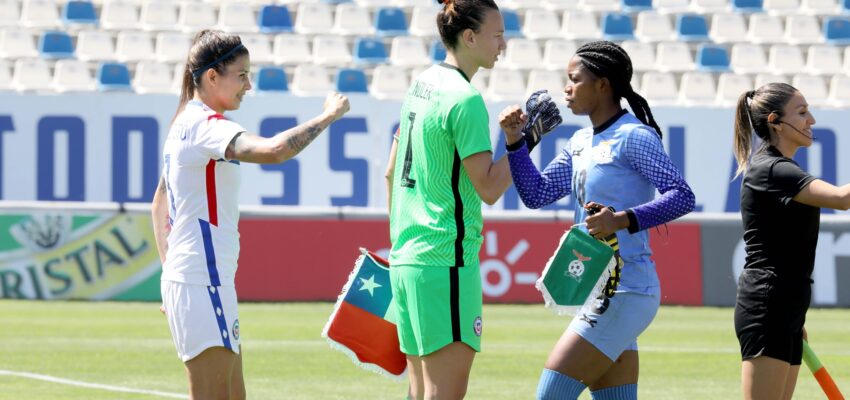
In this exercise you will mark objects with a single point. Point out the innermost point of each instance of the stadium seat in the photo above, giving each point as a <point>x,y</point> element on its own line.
<point>5,76</point>
<point>479,80</point>
<point>580,25</point>
<point>692,28</point>
<point>351,19</point>
<point>389,82</point>
<point>642,55</point>
<point>518,4</point>
<point>506,85</point>
<point>839,91</point>
<point>726,28</point>
<point>747,6</point>
<point>671,6</point>
<point>712,58</point>
<point>423,21</point>
<point>177,80</point>
<point>512,28</point>
<point>259,47</point>
<point>813,87</point>
<point>636,78</point>
<point>10,15</point>
<point>313,19</point>
<point>374,4</point>
<point>785,59</point>
<point>673,57</point>
<point>557,54</point>
<point>437,51</point>
<point>72,76</point>
<point>748,58</point>
<point>41,14</point>
<point>600,5</point>
<point>763,79</point>
<point>635,6</point>
<point>408,51</point>
<point>331,50</point>
<point>521,54</point>
<point>406,4</point>
<point>697,89</point>
<point>552,81</point>
<point>237,17</point>
<point>271,79</point>
<point>765,28</point>
<point>560,5</point>
<point>709,6</point>
<point>653,27</point>
<point>781,7</point>
<point>292,49</point>
<point>802,29</point>
<point>158,15</point>
<point>836,30</point>
<point>819,7</point>
<point>153,77</point>
<point>845,7</point>
<point>311,80</point>
<point>351,80</point>
<point>824,60</point>
<point>134,46</point>
<point>847,60</point>
<point>174,47</point>
<point>275,19</point>
<point>369,51</point>
<point>76,13</point>
<point>56,44</point>
<point>391,21</point>
<point>195,16</point>
<point>541,24</point>
<point>730,86</point>
<point>31,74</point>
<point>95,45</point>
<point>113,77</point>
<point>659,88</point>
<point>617,27</point>
<point>116,15</point>
<point>17,43</point>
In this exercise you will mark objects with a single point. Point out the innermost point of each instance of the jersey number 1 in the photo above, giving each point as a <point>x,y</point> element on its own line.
<point>408,156</point>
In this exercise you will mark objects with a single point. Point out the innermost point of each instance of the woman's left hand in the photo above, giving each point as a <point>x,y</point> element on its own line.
<point>605,222</point>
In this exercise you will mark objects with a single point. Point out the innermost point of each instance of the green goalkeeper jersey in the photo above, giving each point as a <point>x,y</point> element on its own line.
<point>435,219</point>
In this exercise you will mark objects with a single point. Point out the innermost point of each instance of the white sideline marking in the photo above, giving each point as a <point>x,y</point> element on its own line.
<point>64,381</point>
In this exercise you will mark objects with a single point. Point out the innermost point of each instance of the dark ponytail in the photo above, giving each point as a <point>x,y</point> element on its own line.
<point>459,15</point>
<point>608,60</point>
<point>754,106</point>
<point>210,49</point>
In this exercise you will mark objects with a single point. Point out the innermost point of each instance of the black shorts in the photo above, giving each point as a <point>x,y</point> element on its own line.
<point>769,315</point>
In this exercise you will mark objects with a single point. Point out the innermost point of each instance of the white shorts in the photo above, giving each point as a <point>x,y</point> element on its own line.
<point>201,317</point>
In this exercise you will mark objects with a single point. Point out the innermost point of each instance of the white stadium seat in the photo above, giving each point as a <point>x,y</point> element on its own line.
<point>824,60</point>
<point>813,88</point>
<point>259,47</point>
<point>115,15</point>
<point>5,75</point>
<point>557,54</point>
<point>839,91</point>
<point>541,24</point>
<point>659,88</point>
<point>42,14</point>
<point>389,82</point>
<point>765,28</point>
<point>95,45</point>
<point>10,14</point>
<point>552,81</point>
<point>31,74</point>
<point>506,85</point>
<point>17,43</point>
<point>174,47</point>
<point>311,80</point>
<point>237,17</point>
<point>158,15</point>
<point>673,56</point>
<point>195,16</point>
<point>785,59</point>
<point>292,49</point>
<point>351,19</point>
<point>580,25</point>
<point>763,79</point>
<point>72,76</point>
<point>642,54</point>
<point>521,54</point>
<point>331,50</point>
<point>134,46</point>
<point>153,77</point>
<point>423,21</point>
<point>727,28</point>
<point>748,58</point>
<point>313,19</point>
<point>408,51</point>
<point>802,29</point>
<point>730,86</point>
<point>654,27</point>
<point>698,89</point>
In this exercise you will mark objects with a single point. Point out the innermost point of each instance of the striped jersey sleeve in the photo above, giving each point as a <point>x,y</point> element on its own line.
<point>538,189</point>
<point>646,155</point>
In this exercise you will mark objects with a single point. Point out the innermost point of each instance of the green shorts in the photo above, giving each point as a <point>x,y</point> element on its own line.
<point>436,306</point>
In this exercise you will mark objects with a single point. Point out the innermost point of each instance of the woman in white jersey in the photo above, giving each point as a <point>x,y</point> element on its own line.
<point>195,208</point>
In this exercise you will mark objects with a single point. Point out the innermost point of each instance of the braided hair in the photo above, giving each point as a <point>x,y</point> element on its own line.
<point>608,60</point>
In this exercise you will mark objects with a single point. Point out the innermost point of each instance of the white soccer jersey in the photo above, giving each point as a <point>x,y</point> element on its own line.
<point>202,186</point>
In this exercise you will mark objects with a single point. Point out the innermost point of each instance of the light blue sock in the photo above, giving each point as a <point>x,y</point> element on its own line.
<point>622,392</point>
<point>554,385</point>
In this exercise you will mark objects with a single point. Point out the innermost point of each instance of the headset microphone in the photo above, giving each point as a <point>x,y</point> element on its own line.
<point>798,131</point>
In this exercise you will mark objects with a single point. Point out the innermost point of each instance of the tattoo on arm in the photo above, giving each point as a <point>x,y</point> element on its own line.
<point>301,136</point>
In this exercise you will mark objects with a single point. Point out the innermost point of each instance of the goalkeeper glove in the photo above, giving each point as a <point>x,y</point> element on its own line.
<point>543,117</point>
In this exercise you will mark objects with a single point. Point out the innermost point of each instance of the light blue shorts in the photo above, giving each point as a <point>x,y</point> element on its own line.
<point>615,328</point>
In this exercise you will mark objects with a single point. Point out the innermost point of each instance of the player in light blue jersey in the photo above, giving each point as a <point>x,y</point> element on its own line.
<point>617,164</point>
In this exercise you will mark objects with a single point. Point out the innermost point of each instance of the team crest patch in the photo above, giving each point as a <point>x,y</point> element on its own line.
<point>477,326</point>
<point>602,152</point>
<point>576,267</point>
<point>235,330</point>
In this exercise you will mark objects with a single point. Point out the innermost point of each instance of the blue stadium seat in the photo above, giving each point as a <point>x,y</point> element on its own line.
<point>712,58</point>
<point>635,6</point>
<point>390,21</point>
<point>271,79</point>
<point>369,51</point>
<point>692,28</point>
<point>55,45</point>
<point>512,28</point>
<point>747,6</point>
<point>438,51</point>
<point>845,6</point>
<point>113,77</point>
<point>617,27</point>
<point>351,80</point>
<point>274,19</point>
<point>836,30</point>
<point>79,12</point>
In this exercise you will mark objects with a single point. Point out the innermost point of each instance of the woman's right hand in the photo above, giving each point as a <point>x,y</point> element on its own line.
<point>512,120</point>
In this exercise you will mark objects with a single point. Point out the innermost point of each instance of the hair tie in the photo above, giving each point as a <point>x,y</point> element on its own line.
<point>196,73</point>
<point>751,94</point>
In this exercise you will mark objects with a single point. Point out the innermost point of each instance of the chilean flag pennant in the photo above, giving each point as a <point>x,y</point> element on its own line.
<point>362,324</point>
